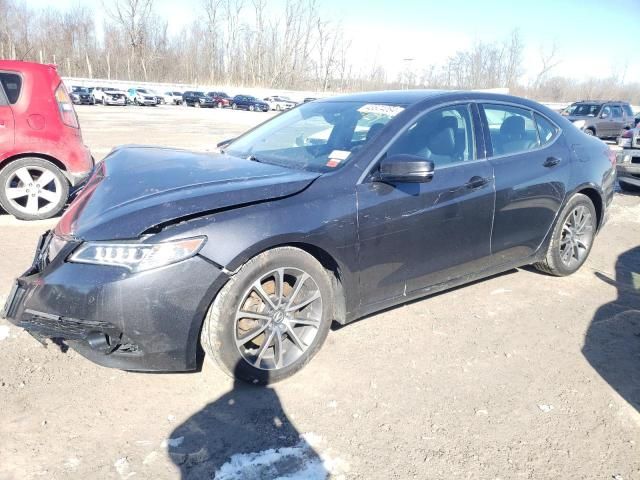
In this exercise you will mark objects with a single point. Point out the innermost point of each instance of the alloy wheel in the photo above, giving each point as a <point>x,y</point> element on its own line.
<point>278,318</point>
<point>33,190</point>
<point>577,235</point>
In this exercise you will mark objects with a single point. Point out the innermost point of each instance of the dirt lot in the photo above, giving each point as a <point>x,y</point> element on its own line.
<point>518,376</point>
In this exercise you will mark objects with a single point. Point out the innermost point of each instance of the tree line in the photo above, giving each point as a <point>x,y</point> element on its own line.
<point>244,43</point>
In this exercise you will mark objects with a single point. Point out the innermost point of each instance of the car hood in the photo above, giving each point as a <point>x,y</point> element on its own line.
<point>137,188</point>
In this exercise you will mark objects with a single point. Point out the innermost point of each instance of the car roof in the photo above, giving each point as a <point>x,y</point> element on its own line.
<point>20,65</point>
<point>411,97</point>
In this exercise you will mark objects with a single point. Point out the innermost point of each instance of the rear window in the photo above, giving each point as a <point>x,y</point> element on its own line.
<point>12,84</point>
<point>627,109</point>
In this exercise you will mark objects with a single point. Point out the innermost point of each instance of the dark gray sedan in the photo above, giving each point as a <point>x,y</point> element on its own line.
<point>328,212</point>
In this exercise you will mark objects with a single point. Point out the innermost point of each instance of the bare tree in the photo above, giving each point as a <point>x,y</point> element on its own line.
<point>550,60</point>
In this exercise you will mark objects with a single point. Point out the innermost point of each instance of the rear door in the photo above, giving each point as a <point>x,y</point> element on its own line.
<point>10,87</point>
<point>531,164</point>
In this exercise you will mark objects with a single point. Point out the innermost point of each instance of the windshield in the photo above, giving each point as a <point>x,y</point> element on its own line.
<point>319,137</point>
<point>199,94</point>
<point>142,90</point>
<point>586,110</point>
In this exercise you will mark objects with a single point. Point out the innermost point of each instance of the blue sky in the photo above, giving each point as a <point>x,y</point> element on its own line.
<point>590,34</point>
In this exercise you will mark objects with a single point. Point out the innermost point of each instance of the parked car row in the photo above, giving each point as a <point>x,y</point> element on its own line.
<point>190,98</point>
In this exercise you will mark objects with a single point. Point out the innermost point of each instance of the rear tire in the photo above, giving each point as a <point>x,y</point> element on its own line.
<point>273,353</point>
<point>572,238</point>
<point>590,131</point>
<point>23,193</point>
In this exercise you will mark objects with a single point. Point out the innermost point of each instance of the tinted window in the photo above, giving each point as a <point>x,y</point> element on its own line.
<point>617,111</point>
<point>444,136</point>
<point>12,84</point>
<point>586,110</point>
<point>547,131</point>
<point>627,109</point>
<point>512,129</point>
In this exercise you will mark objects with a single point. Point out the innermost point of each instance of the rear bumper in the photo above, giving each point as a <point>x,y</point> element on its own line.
<point>628,166</point>
<point>112,101</point>
<point>148,321</point>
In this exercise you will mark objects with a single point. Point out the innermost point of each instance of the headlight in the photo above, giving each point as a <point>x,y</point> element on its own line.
<point>202,99</point>
<point>137,257</point>
<point>579,123</point>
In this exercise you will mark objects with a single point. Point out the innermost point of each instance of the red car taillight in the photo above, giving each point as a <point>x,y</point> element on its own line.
<point>65,107</point>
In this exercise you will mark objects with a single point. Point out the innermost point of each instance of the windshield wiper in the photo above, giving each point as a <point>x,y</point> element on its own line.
<point>253,158</point>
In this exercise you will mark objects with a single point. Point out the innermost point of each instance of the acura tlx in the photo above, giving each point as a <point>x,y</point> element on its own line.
<point>331,211</point>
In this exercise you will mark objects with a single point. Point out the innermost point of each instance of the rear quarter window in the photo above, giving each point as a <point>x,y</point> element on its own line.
<point>11,84</point>
<point>547,131</point>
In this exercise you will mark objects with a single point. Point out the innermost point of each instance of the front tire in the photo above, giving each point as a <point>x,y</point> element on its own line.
<point>572,238</point>
<point>270,318</point>
<point>33,189</point>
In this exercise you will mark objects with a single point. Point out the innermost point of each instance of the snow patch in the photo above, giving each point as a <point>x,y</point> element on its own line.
<point>299,462</point>
<point>72,463</point>
<point>122,467</point>
<point>172,442</point>
<point>4,332</point>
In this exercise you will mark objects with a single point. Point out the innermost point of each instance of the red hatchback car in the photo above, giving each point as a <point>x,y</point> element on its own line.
<point>41,151</point>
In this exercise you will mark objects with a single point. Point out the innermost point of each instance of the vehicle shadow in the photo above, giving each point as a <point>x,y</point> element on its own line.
<point>612,342</point>
<point>244,434</point>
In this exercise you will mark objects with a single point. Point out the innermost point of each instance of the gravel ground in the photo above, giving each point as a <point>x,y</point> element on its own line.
<point>519,376</point>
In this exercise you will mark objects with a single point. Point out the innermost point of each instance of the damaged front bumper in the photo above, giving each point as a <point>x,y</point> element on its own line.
<point>148,321</point>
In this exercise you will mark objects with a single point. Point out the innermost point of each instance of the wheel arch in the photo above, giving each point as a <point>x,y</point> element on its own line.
<point>335,268</point>
<point>596,198</point>
<point>41,156</point>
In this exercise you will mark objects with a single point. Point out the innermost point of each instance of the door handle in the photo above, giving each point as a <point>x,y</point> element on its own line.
<point>551,162</point>
<point>476,182</point>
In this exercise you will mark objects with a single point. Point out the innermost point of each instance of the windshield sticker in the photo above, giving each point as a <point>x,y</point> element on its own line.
<point>333,162</point>
<point>339,155</point>
<point>388,110</point>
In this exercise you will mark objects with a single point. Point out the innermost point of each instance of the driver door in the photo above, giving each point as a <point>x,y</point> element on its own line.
<point>413,236</point>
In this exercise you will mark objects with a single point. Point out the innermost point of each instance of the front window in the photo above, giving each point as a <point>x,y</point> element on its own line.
<point>586,110</point>
<point>142,90</point>
<point>444,136</point>
<point>316,136</point>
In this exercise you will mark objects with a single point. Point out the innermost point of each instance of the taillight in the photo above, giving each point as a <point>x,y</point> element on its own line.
<point>65,107</point>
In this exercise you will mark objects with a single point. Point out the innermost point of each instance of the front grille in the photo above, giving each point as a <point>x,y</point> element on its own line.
<point>65,327</point>
<point>16,300</point>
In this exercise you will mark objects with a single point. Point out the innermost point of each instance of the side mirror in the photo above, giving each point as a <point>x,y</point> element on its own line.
<point>405,168</point>
<point>224,143</point>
